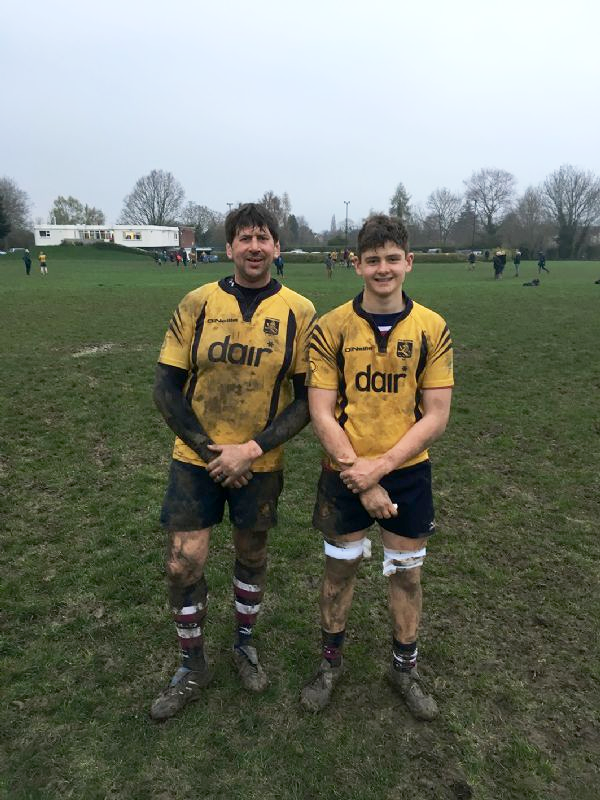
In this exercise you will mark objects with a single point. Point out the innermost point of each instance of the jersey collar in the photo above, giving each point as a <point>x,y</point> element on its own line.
<point>381,338</point>
<point>248,305</point>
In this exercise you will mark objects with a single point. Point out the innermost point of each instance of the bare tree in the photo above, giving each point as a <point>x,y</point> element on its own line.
<point>280,207</point>
<point>201,217</point>
<point>400,204</point>
<point>156,199</point>
<point>4,223</point>
<point>16,204</point>
<point>529,226</point>
<point>445,208</point>
<point>70,211</point>
<point>572,198</point>
<point>493,191</point>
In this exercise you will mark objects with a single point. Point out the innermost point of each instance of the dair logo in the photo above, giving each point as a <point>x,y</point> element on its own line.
<point>373,381</point>
<point>236,353</point>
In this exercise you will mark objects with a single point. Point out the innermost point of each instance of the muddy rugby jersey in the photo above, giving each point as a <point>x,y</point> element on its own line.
<point>241,355</point>
<point>378,377</point>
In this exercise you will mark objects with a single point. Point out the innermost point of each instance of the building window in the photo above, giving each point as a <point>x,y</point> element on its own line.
<point>131,236</point>
<point>44,234</point>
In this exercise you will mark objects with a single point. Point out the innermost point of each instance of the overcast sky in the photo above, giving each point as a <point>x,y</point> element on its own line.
<point>327,100</point>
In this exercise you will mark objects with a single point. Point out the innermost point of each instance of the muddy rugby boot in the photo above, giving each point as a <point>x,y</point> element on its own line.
<point>317,692</point>
<point>408,684</point>
<point>252,675</point>
<point>185,687</point>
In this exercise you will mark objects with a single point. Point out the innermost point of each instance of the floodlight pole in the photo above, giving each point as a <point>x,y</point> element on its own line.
<point>474,221</point>
<point>347,202</point>
<point>229,206</point>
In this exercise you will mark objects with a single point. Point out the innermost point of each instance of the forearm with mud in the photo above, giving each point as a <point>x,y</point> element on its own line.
<point>285,425</point>
<point>171,402</point>
<point>334,440</point>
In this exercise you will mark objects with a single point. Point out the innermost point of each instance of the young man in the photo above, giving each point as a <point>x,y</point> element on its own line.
<point>43,264</point>
<point>379,393</point>
<point>230,383</point>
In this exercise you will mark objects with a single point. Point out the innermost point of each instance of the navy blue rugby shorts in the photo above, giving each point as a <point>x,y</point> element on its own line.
<point>193,501</point>
<point>338,511</point>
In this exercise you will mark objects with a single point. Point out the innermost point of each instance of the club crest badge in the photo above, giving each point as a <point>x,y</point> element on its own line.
<point>404,349</point>
<point>271,327</point>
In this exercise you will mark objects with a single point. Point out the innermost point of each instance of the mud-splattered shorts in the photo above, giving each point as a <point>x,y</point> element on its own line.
<point>338,511</point>
<point>193,501</point>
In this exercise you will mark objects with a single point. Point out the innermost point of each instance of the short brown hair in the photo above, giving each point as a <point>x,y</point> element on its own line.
<point>379,229</point>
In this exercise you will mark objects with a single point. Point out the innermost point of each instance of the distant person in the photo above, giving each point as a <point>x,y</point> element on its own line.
<point>334,257</point>
<point>178,258</point>
<point>486,255</point>
<point>350,259</point>
<point>498,266</point>
<point>43,264</point>
<point>542,263</point>
<point>157,258</point>
<point>184,256</point>
<point>279,264</point>
<point>472,259</point>
<point>329,265</point>
<point>517,262</point>
<point>536,282</point>
<point>27,262</point>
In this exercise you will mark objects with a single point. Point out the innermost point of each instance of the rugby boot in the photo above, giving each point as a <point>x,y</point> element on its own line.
<point>316,694</point>
<point>252,675</point>
<point>408,684</point>
<point>185,687</point>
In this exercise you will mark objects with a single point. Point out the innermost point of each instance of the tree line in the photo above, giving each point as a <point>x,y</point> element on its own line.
<point>562,213</point>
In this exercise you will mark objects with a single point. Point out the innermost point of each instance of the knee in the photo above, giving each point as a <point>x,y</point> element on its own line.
<point>251,548</point>
<point>185,561</point>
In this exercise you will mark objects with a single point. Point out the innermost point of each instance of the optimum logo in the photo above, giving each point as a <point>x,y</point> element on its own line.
<point>370,381</point>
<point>236,353</point>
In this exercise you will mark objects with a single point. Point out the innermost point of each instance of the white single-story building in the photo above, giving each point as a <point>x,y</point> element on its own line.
<point>127,235</point>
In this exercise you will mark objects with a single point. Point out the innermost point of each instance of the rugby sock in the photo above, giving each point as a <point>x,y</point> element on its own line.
<point>188,604</point>
<point>248,590</point>
<point>404,656</point>
<point>332,647</point>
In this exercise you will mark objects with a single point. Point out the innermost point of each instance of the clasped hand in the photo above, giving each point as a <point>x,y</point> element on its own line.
<point>361,474</point>
<point>231,466</point>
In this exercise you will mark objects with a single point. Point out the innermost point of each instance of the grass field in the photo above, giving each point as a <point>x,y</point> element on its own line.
<point>509,639</point>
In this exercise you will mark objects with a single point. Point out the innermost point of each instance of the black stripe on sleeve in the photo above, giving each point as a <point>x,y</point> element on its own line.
<point>197,334</point>
<point>318,337</point>
<point>290,335</point>
<point>341,363</point>
<point>176,333</point>
<point>443,352</point>
<point>419,372</point>
<point>313,346</point>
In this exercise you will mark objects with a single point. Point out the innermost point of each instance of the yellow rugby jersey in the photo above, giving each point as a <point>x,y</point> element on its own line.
<point>379,377</point>
<point>241,356</point>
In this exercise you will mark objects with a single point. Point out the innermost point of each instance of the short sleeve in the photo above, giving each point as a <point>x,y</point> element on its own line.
<point>175,350</point>
<point>322,354</point>
<point>303,338</point>
<point>439,367</point>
